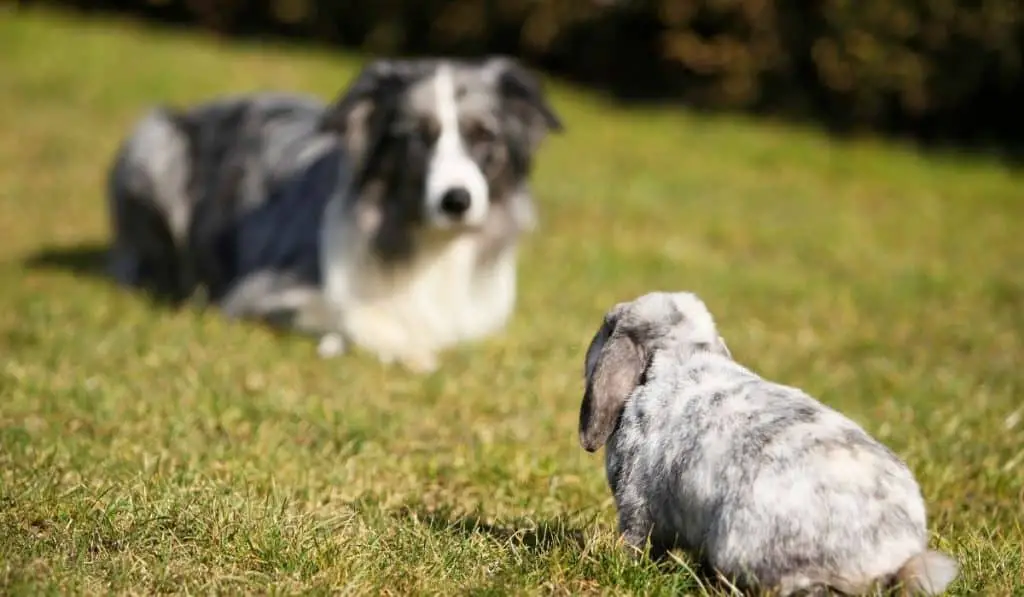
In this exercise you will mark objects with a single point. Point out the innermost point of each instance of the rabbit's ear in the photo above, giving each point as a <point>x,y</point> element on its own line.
<point>614,364</point>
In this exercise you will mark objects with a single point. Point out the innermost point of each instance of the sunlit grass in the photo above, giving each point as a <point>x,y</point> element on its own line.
<point>143,450</point>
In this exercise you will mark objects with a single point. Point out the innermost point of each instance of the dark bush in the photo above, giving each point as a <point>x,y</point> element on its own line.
<point>931,67</point>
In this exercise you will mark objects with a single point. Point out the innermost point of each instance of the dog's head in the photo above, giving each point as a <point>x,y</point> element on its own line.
<point>439,142</point>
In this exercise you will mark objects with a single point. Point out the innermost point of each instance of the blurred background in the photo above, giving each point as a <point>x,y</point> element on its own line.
<point>939,71</point>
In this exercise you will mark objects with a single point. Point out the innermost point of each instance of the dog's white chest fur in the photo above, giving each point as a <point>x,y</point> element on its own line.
<point>409,313</point>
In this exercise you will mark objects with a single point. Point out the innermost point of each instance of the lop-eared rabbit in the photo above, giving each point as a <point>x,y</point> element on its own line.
<point>764,484</point>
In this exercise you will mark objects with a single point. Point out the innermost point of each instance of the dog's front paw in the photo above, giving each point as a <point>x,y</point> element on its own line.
<point>331,345</point>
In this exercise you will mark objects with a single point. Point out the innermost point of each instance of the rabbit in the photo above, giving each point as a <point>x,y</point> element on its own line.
<point>767,486</point>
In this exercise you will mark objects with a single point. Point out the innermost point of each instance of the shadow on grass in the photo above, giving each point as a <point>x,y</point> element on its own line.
<point>537,537</point>
<point>85,259</point>
<point>89,260</point>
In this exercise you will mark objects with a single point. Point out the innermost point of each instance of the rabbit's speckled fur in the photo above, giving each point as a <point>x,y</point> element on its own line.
<point>768,486</point>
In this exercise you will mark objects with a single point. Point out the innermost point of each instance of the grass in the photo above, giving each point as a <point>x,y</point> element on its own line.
<point>145,451</point>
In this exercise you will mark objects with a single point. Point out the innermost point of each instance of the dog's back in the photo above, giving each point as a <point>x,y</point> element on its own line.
<point>259,190</point>
<point>184,177</point>
<point>149,204</point>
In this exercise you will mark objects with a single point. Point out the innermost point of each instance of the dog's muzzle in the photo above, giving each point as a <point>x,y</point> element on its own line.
<point>455,202</point>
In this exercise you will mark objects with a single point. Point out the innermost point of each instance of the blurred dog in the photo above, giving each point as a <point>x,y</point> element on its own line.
<point>388,219</point>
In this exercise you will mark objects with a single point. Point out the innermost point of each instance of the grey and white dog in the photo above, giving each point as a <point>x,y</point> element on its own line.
<point>767,486</point>
<point>389,218</point>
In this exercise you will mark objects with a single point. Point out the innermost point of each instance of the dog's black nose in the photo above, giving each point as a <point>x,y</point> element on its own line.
<point>455,201</point>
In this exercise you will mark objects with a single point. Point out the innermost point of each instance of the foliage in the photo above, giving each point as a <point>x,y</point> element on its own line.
<point>928,67</point>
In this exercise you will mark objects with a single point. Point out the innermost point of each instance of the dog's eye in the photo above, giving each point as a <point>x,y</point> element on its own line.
<point>478,134</point>
<point>428,131</point>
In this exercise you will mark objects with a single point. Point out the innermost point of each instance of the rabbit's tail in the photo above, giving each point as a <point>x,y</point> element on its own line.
<point>927,573</point>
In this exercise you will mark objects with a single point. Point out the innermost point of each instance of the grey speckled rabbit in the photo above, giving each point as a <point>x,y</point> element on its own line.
<point>769,487</point>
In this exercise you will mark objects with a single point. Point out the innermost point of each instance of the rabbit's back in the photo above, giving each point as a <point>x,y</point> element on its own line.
<point>766,480</point>
<point>827,503</point>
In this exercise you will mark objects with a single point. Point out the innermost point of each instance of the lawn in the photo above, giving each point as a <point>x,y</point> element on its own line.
<point>144,450</point>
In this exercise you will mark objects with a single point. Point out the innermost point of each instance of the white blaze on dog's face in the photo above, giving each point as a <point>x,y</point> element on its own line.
<point>455,190</point>
<point>440,144</point>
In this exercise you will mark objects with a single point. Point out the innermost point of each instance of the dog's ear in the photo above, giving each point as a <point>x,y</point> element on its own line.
<point>359,114</point>
<point>524,98</point>
<point>614,364</point>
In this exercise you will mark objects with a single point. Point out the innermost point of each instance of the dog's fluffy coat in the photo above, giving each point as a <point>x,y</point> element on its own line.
<point>389,218</point>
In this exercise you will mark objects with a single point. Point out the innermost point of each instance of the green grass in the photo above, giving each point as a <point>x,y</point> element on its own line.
<point>144,451</point>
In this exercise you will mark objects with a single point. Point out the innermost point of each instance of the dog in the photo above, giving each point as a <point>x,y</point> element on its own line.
<point>388,219</point>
